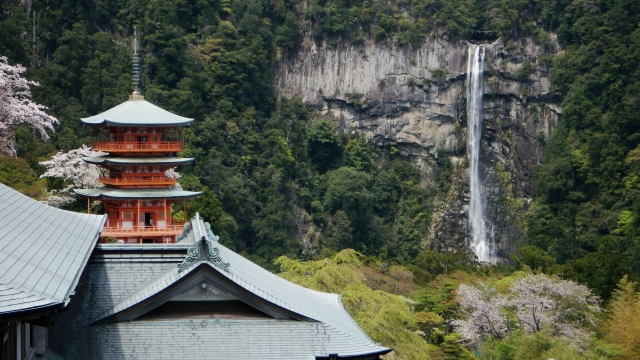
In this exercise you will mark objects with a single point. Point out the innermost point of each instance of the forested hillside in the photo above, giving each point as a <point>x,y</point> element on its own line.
<point>289,184</point>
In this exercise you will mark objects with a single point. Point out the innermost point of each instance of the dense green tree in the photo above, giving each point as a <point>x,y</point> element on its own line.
<point>15,40</point>
<point>532,257</point>
<point>584,191</point>
<point>207,205</point>
<point>17,174</point>
<point>324,145</point>
<point>339,232</point>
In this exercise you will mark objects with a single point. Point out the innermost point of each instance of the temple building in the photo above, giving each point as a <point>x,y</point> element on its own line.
<point>197,299</point>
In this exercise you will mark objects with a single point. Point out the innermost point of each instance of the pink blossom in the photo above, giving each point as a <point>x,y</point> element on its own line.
<point>16,107</point>
<point>535,303</point>
<point>76,173</point>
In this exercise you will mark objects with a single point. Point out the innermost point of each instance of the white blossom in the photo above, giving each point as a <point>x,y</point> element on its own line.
<point>173,174</point>
<point>16,107</point>
<point>536,302</point>
<point>560,307</point>
<point>481,307</point>
<point>76,173</point>
<point>58,200</point>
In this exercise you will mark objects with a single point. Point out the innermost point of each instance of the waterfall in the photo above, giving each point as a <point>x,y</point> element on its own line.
<point>475,89</point>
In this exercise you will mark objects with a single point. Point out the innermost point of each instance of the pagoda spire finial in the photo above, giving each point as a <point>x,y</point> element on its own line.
<point>135,75</point>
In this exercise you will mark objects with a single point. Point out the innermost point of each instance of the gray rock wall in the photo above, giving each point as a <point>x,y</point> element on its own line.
<point>413,99</point>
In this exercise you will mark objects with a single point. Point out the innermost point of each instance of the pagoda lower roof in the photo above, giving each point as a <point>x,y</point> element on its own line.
<point>127,194</point>
<point>117,160</point>
<point>137,113</point>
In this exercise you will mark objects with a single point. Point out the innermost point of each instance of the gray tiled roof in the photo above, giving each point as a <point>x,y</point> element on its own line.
<point>42,251</point>
<point>161,160</point>
<point>121,278</point>
<point>137,113</point>
<point>115,193</point>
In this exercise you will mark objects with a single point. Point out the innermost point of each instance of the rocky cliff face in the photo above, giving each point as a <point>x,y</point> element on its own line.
<point>413,99</point>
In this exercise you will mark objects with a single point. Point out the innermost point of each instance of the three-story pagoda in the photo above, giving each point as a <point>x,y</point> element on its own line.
<point>140,139</point>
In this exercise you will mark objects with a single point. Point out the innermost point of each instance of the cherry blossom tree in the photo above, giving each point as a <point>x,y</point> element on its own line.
<point>76,173</point>
<point>483,311</point>
<point>173,174</point>
<point>535,303</point>
<point>16,107</point>
<point>559,307</point>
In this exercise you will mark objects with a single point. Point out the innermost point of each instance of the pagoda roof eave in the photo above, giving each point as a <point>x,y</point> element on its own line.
<point>130,194</point>
<point>113,160</point>
<point>137,113</point>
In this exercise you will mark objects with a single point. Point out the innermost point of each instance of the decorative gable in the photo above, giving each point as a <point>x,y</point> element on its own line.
<point>204,291</point>
<point>199,287</point>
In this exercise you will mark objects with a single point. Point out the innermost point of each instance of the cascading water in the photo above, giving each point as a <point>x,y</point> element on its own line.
<point>475,89</point>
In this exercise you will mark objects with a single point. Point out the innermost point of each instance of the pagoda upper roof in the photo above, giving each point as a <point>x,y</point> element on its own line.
<point>116,160</point>
<point>127,194</point>
<point>137,112</point>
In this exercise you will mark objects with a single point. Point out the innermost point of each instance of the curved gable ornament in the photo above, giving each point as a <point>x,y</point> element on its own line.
<point>202,250</point>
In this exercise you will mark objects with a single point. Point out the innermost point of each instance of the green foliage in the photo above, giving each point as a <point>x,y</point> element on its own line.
<point>386,318</point>
<point>324,145</point>
<point>207,205</point>
<point>355,99</point>
<point>429,264</point>
<point>585,210</point>
<point>443,171</point>
<point>622,326</point>
<point>359,155</point>
<point>408,22</point>
<point>524,70</point>
<point>541,346</point>
<point>17,174</point>
<point>15,41</point>
<point>532,257</point>
<point>438,73</point>
<point>438,299</point>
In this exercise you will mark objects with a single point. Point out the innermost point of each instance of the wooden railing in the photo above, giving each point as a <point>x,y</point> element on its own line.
<point>117,146</point>
<point>168,230</point>
<point>139,180</point>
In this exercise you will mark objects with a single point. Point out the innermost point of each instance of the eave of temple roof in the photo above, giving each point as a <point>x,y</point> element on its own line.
<point>113,160</point>
<point>127,194</point>
<point>137,113</point>
<point>42,252</point>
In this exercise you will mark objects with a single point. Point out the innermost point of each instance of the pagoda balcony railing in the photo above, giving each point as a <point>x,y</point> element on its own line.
<point>175,228</point>
<point>121,146</point>
<point>138,180</point>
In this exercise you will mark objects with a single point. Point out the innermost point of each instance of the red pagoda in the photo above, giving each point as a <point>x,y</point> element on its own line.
<point>141,139</point>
